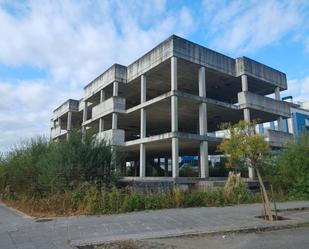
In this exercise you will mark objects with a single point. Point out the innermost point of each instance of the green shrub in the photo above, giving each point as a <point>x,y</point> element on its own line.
<point>290,172</point>
<point>195,198</point>
<point>38,167</point>
<point>133,202</point>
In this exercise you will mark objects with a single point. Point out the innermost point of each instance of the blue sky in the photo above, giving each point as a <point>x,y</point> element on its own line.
<point>49,50</point>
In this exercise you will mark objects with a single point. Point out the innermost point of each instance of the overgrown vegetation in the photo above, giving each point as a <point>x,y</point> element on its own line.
<point>88,199</point>
<point>290,170</point>
<point>38,168</point>
<point>78,177</point>
<point>235,189</point>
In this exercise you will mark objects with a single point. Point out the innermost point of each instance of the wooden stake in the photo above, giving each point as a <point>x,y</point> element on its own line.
<point>273,197</point>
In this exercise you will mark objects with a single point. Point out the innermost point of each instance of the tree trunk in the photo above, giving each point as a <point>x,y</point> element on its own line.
<point>267,203</point>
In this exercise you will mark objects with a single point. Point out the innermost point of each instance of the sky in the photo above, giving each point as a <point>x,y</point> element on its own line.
<point>49,50</point>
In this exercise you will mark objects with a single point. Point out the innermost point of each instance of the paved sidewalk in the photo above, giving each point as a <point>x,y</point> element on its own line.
<point>19,231</point>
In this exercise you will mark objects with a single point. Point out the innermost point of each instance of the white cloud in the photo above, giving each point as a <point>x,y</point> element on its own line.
<point>299,89</point>
<point>73,42</point>
<point>77,40</point>
<point>240,26</point>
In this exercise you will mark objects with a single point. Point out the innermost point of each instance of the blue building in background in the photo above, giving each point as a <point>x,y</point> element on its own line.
<point>296,124</point>
<point>300,121</point>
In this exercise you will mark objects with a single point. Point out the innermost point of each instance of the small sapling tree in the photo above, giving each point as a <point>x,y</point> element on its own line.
<point>244,147</point>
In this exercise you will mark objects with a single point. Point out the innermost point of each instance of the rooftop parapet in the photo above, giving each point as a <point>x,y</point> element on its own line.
<point>198,54</point>
<point>181,48</point>
<point>151,59</point>
<point>260,71</point>
<point>190,51</point>
<point>69,105</point>
<point>114,73</point>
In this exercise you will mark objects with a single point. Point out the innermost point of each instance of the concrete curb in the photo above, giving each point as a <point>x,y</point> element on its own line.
<point>175,234</point>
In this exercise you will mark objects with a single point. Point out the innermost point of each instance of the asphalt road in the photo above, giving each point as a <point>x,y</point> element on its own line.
<point>281,239</point>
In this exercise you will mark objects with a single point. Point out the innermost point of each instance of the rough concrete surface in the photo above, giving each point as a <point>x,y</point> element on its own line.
<point>19,231</point>
<point>281,239</point>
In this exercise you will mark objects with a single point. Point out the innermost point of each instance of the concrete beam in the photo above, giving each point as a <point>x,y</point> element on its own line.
<point>113,104</point>
<point>112,136</point>
<point>249,100</point>
<point>169,135</point>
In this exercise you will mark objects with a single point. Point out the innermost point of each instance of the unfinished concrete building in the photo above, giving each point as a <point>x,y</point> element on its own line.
<point>170,103</point>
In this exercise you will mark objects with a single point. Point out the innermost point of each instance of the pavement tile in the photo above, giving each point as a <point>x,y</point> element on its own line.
<point>18,231</point>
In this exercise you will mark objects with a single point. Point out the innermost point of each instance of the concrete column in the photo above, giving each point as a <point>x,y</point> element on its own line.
<point>204,159</point>
<point>114,120</point>
<point>277,93</point>
<point>143,123</point>
<point>247,118</point>
<point>143,128</point>
<point>101,125</point>
<point>174,118</point>
<point>101,120</point>
<point>142,159</point>
<point>166,166</point>
<point>69,124</point>
<point>115,88</point>
<point>202,82</point>
<point>277,97</point>
<point>204,167</point>
<point>59,122</point>
<point>175,157</point>
<point>115,115</point>
<point>247,115</point>
<point>244,85</point>
<point>102,96</point>
<point>143,88</point>
<point>85,114</point>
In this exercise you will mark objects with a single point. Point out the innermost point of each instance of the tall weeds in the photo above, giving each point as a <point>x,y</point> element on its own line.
<point>38,167</point>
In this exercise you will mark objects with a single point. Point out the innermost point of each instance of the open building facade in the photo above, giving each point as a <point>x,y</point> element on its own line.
<point>171,102</point>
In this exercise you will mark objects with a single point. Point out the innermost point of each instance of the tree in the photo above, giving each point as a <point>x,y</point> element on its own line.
<point>244,147</point>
